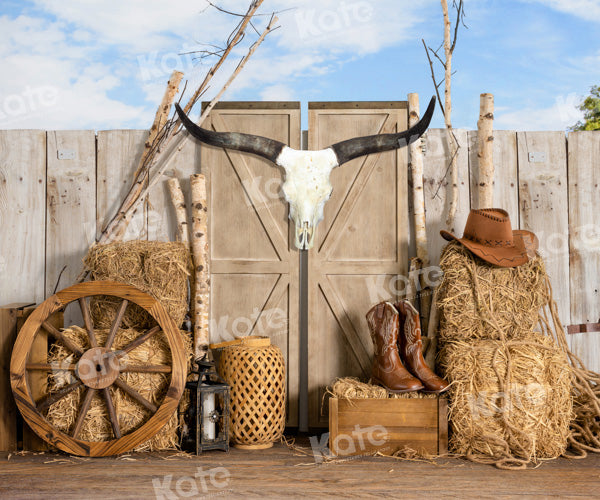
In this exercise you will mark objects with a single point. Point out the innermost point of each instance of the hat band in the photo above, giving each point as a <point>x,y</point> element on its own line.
<point>489,243</point>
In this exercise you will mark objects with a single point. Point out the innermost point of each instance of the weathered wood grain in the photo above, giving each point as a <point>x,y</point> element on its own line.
<point>436,180</point>
<point>119,153</point>
<point>506,189</point>
<point>283,473</point>
<point>584,210</point>
<point>253,263</point>
<point>361,247</point>
<point>70,209</point>
<point>543,200</point>
<point>363,426</point>
<point>8,410</point>
<point>22,215</point>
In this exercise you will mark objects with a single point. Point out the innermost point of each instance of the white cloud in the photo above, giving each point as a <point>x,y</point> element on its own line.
<point>357,26</point>
<point>278,92</point>
<point>585,9</point>
<point>560,116</point>
<point>85,55</point>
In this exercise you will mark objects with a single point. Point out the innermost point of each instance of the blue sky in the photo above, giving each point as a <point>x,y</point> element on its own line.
<point>103,64</point>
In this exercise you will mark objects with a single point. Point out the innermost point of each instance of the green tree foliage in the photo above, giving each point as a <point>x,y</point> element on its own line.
<point>591,111</point>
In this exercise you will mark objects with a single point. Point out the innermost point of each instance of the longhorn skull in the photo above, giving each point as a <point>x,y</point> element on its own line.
<point>306,186</point>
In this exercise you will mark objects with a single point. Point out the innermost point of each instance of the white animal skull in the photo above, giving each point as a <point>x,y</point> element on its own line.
<point>306,186</point>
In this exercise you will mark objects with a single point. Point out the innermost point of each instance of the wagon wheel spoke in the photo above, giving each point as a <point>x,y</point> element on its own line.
<point>50,367</point>
<point>139,341</point>
<point>58,335</point>
<point>114,421</point>
<point>47,401</point>
<point>135,395</point>
<point>87,320</point>
<point>146,369</point>
<point>116,324</point>
<point>85,406</point>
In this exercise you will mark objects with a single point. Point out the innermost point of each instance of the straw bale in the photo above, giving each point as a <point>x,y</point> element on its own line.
<point>161,269</point>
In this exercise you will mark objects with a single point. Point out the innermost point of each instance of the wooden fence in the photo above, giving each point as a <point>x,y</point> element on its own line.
<point>57,189</point>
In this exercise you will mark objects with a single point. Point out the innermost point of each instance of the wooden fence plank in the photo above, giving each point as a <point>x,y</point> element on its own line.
<point>584,206</point>
<point>435,182</point>
<point>506,190</point>
<point>161,218</point>
<point>543,200</point>
<point>8,409</point>
<point>71,208</point>
<point>22,215</point>
<point>119,152</point>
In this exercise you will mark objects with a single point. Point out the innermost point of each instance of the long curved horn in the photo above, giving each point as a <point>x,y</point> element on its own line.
<point>360,146</point>
<point>261,146</point>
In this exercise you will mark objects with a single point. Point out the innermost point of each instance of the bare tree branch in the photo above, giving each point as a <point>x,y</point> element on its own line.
<point>449,44</point>
<point>160,146</point>
<point>437,86</point>
<point>459,19</point>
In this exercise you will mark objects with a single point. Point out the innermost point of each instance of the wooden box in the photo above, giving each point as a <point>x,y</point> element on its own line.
<point>364,426</point>
<point>12,427</point>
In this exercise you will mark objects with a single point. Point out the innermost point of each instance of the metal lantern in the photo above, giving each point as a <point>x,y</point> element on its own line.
<point>207,417</point>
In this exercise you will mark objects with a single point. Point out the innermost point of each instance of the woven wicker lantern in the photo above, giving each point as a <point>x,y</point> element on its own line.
<point>255,371</point>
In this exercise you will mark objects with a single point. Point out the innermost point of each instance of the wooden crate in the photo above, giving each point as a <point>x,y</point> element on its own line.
<point>363,426</point>
<point>12,427</point>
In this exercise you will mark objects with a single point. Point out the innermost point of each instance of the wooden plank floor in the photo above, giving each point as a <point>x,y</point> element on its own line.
<point>281,473</point>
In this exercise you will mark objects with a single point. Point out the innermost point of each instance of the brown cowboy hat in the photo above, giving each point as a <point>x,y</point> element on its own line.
<point>489,235</point>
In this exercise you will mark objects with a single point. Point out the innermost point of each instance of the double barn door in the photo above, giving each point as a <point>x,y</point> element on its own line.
<point>360,250</point>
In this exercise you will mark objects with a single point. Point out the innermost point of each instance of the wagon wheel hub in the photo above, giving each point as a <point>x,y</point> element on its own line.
<point>98,368</point>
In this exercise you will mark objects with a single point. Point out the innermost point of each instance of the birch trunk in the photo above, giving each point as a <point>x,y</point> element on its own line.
<point>452,145</point>
<point>416,167</point>
<point>201,256</point>
<point>178,201</point>
<point>485,151</point>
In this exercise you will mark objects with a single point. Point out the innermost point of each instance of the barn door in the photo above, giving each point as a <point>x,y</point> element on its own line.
<point>361,246</point>
<point>254,265</point>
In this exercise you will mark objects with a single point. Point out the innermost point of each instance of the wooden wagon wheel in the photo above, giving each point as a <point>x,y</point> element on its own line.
<point>96,369</point>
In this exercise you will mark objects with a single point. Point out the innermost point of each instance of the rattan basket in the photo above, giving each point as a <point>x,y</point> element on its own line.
<point>255,370</point>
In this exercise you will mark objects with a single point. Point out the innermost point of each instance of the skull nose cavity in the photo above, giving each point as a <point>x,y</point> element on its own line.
<point>304,236</point>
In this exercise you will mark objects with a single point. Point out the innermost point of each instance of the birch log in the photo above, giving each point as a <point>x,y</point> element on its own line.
<point>452,144</point>
<point>178,201</point>
<point>485,151</point>
<point>416,168</point>
<point>201,255</point>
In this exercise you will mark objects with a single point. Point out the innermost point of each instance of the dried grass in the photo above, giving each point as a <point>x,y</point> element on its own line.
<point>513,295</point>
<point>511,400</point>
<point>352,388</point>
<point>510,397</point>
<point>160,269</point>
<point>132,415</point>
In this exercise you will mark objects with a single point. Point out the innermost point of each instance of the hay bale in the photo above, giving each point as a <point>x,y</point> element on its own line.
<point>160,269</point>
<point>352,388</point>
<point>526,415</point>
<point>152,386</point>
<point>505,301</point>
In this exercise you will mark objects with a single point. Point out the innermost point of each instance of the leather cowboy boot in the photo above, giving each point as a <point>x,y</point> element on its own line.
<point>388,370</point>
<point>410,348</point>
